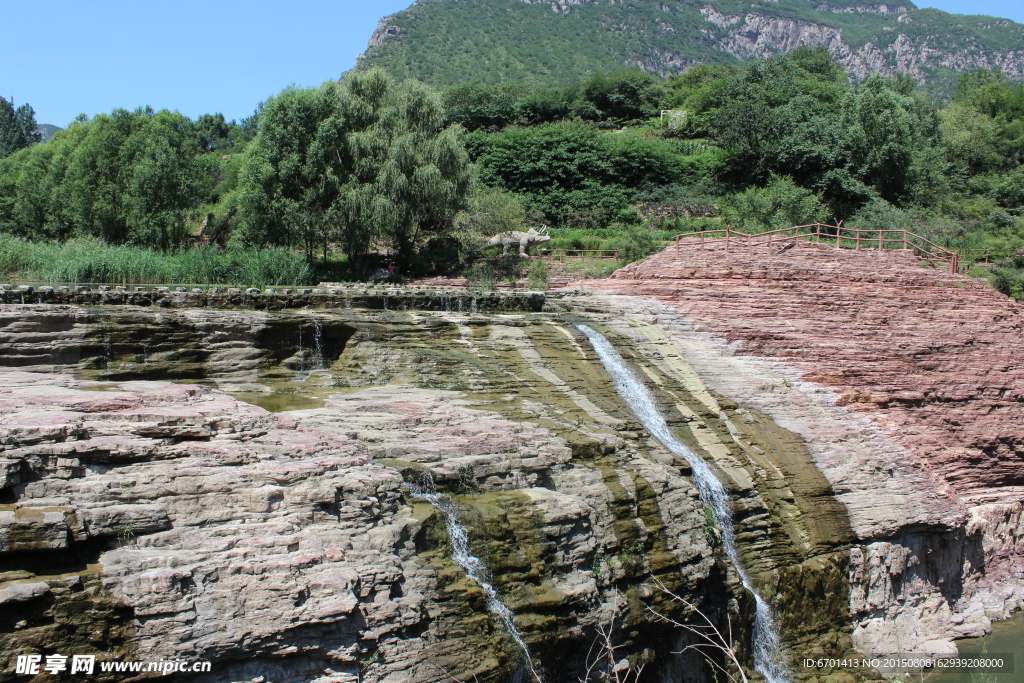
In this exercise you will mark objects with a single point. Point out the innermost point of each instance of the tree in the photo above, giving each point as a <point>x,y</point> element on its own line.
<point>17,127</point>
<point>489,211</point>
<point>93,193</point>
<point>478,106</point>
<point>123,177</point>
<point>165,179</point>
<point>215,133</point>
<point>970,137</point>
<point>566,170</point>
<point>361,159</point>
<point>624,96</point>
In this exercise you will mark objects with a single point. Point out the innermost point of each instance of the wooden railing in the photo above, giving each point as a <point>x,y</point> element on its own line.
<point>562,254</point>
<point>837,236</point>
<point>983,257</point>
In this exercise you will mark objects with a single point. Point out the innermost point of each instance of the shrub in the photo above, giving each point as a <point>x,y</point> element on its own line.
<point>481,275</point>
<point>636,244</point>
<point>780,204</point>
<point>538,275</point>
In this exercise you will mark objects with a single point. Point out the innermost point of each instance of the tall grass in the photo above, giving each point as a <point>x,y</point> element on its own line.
<point>87,260</point>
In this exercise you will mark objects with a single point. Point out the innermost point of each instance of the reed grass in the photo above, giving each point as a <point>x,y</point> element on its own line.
<point>87,260</point>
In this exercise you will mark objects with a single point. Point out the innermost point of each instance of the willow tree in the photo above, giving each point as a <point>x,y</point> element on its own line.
<point>362,160</point>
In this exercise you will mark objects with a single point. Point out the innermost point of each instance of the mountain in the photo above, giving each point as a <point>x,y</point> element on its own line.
<point>47,130</point>
<point>554,41</point>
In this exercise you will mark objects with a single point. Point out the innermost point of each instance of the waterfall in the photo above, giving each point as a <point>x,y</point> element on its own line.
<point>767,645</point>
<point>473,308</point>
<point>108,350</point>
<point>472,565</point>
<point>318,343</point>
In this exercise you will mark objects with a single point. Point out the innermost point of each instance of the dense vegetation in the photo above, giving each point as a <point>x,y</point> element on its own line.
<point>17,127</point>
<point>446,42</point>
<point>368,166</point>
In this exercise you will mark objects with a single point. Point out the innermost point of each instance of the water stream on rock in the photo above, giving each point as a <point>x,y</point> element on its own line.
<point>318,343</point>
<point>766,642</point>
<point>474,568</point>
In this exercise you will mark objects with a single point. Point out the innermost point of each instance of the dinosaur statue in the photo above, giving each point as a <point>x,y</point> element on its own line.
<point>524,240</point>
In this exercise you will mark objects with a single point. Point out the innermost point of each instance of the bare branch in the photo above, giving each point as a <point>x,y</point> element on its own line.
<point>707,631</point>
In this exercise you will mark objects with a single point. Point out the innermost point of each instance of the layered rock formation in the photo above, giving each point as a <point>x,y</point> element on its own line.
<point>760,34</point>
<point>863,411</point>
<point>872,349</point>
<point>193,525</point>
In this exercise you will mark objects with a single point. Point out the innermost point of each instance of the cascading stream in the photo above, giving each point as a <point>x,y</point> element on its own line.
<point>767,645</point>
<point>474,568</point>
<point>318,343</point>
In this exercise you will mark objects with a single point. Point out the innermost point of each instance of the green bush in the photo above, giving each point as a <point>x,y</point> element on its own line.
<point>1009,279</point>
<point>481,276</point>
<point>537,276</point>
<point>635,245</point>
<point>781,204</point>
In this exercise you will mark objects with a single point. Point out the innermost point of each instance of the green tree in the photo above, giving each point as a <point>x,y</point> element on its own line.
<point>623,96</point>
<point>362,159</point>
<point>566,170</point>
<point>489,211</point>
<point>476,106</point>
<point>165,179</point>
<point>17,127</point>
<point>93,191</point>
<point>126,177</point>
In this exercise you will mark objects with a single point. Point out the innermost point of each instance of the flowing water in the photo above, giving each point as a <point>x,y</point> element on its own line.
<point>474,568</point>
<point>766,643</point>
<point>318,343</point>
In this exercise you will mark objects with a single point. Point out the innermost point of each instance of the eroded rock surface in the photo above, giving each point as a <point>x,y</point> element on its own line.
<point>276,546</point>
<point>284,544</point>
<point>903,382</point>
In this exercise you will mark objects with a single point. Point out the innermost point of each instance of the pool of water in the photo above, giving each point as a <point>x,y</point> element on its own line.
<point>279,401</point>
<point>1006,637</point>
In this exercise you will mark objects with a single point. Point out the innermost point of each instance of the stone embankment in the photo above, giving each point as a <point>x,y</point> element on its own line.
<point>419,297</point>
<point>926,363</point>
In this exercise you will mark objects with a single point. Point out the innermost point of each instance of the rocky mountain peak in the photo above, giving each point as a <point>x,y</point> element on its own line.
<point>555,41</point>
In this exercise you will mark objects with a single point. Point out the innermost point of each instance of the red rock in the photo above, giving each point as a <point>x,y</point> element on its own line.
<point>934,354</point>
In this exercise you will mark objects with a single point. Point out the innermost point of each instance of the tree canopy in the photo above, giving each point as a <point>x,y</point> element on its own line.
<point>361,160</point>
<point>17,127</point>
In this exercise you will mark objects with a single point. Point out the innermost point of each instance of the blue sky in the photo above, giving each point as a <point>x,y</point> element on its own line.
<point>195,56</point>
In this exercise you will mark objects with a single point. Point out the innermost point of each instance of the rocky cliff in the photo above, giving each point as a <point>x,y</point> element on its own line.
<point>862,410</point>
<point>916,361</point>
<point>445,42</point>
<point>189,524</point>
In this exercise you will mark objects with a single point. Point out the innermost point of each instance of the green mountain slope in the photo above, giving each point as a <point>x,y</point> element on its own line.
<point>47,130</point>
<point>554,41</point>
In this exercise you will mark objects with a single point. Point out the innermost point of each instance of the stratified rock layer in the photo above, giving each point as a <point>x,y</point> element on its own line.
<point>273,545</point>
<point>926,361</point>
